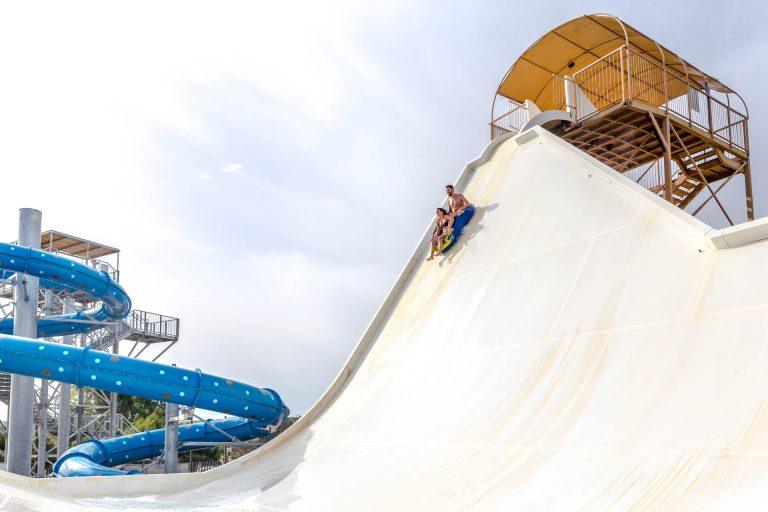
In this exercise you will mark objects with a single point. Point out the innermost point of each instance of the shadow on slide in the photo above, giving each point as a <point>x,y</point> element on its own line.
<point>474,226</point>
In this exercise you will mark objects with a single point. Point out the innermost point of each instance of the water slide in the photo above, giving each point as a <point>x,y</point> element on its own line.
<point>97,457</point>
<point>584,346</point>
<point>261,411</point>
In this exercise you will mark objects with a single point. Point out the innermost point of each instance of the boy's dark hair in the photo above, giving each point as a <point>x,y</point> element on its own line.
<point>449,186</point>
<point>443,210</point>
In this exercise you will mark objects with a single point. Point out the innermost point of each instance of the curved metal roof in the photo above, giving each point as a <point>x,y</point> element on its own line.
<point>578,43</point>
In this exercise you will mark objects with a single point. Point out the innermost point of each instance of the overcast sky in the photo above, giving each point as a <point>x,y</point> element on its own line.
<point>267,167</point>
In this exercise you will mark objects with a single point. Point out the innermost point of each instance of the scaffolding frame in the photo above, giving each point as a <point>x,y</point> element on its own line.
<point>92,413</point>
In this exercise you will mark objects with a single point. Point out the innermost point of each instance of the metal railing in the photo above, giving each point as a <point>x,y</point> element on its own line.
<point>595,88</point>
<point>104,339</point>
<point>650,176</point>
<point>511,121</point>
<point>96,424</point>
<point>154,324</point>
<point>625,75</point>
<point>142,324</point>
<point>199,466</point>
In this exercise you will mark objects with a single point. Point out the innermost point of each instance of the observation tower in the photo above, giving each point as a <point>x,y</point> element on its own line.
<point>636,106</point>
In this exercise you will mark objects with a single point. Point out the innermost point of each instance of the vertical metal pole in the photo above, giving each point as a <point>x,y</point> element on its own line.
<point>748,176</point>
<point>709,110</point>
<point>65,396</point>
<point>42,410</point>
<point>667,160</point>
<point>113,396</point>
<point>728,113</point>
<point>22,399</point>
<point>42,430</point>
<point>80,415</point>
<point>630,75</point>
<point>748,191</point>
<point>688,100</point>
<point>570,97</point>
<point>622,72</point>
<point>171,459</point>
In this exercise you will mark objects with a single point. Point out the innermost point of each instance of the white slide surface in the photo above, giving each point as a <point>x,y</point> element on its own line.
<point>585,346</point>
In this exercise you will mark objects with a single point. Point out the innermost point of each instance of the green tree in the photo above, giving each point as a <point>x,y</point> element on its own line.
<point>145,414</point>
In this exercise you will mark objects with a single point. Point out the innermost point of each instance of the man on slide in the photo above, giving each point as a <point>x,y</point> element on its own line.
<point>460,209</point>
<point>450,222</point>
<point>457,203</point>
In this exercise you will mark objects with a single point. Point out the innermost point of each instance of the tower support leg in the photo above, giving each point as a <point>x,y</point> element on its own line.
<point>65,396</point>
<point>748,191</point>
<point>113,398</point>
<point>42,409</point>
<point>80,415</point>
<point>171,438</point>
<point>42,431</point>
<point>667,160</point>
<point>22,399</point>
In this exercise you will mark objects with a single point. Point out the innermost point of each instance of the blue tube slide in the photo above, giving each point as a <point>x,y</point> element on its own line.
<point>62,274</point>
<point>128,376</point>
<point>261,409</point>
<point>96,458</point>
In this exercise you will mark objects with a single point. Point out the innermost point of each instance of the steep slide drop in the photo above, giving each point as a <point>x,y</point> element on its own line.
<point>260,410</point>
<point>584,346</point>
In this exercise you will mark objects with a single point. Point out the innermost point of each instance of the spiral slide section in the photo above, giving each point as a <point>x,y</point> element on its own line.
<point>62,274</point>
<point>261,409</point>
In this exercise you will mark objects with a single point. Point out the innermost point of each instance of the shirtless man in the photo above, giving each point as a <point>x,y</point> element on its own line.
<point>456,202</point>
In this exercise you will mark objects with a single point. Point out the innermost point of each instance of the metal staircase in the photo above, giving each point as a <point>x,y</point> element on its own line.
<point>684,189</point>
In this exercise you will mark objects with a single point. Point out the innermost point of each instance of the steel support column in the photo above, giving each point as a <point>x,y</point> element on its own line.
<point>22,398</point>
<point>113,396</point>
<point>42,409</point>
<point>65,395</point>
<point>171,453</point>
<point>80,415</point>
<point>748,191</point>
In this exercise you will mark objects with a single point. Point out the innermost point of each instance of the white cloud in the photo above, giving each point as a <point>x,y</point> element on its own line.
<point>354,121</point>
<point>232,167</point>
